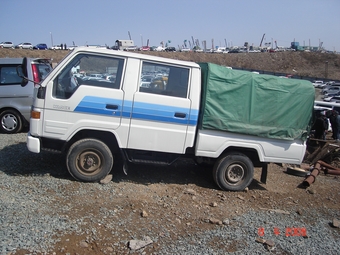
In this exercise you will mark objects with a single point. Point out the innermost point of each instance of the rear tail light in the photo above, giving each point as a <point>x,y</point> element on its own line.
<point>35,71</point>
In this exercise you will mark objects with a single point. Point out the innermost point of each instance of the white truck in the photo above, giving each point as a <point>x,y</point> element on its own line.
<point>235,120</point>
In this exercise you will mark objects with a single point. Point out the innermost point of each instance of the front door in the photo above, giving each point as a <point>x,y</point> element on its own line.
<point>85,94</point>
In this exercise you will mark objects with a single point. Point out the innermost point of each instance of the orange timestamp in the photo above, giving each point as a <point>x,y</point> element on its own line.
<point>288,231</point>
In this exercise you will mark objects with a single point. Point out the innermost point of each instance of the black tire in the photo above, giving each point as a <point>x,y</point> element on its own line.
<point>89,160</point>
<point>233,172</point>
<point>10,122</point>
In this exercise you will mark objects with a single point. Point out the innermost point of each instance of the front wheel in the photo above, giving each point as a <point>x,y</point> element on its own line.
<point>233,172</point>
<point>89,160</point>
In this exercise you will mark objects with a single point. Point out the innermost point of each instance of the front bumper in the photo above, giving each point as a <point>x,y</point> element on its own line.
<point>33,143</point>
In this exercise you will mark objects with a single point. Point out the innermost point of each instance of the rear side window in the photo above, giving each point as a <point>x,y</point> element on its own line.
<point>8,75</point>
<point>90,70</point>
<point>164,80</point>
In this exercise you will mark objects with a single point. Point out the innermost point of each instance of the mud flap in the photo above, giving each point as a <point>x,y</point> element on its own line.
<point>264,173</point>
<point>125,162</point>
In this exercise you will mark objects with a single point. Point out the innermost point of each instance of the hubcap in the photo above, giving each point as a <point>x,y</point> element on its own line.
<point>235,173</point>
<point>89,162</point>
<point>9,122</point>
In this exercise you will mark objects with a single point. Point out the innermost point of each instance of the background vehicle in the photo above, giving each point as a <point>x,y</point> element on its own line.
<point>6,45</point>
<point>40,46</point>
<point>159,48</point>
<point>185,50</point>
<point>144,48</point>
<point>170,49</point>
<point>329,86</point>
<point>318,84</point>
<point>131,48</point>
<point>220,50</point>
<point>123,44</point>
<point>335,99</point>
<point>25,45</point>
<point>332,91</point>
<point>56,47</point>
<point>178,114</point>
<point>16,101</point>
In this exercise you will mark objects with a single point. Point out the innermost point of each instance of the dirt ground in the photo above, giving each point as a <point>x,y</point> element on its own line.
<point>176,201</point>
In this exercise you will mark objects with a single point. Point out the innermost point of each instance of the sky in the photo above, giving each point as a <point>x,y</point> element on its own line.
<point>218,22</point>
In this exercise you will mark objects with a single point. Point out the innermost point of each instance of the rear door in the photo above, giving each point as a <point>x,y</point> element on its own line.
<point>161,109</point>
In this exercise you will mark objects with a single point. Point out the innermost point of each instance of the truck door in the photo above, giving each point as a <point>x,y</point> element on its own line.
<point>79,99</point>
<point>161,109</point>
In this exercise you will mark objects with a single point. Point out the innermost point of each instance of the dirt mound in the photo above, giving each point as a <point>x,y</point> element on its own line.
<point>312,64</point>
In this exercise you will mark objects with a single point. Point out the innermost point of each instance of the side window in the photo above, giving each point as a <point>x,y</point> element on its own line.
<point>8,75</point>
<point>44,70</point>
<point>164,80</point>
<point>91,70</point>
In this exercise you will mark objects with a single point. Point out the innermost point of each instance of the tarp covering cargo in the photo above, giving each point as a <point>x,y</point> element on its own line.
<point>255,104</point>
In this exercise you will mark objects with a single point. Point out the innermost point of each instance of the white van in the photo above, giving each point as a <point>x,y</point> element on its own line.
<point>15,100</point>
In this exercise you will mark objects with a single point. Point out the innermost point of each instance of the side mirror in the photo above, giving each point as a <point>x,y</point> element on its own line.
<point>22,72</point>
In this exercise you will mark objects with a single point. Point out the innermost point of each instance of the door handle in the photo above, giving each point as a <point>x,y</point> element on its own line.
<point>180,115</point>
<point>112,106</point>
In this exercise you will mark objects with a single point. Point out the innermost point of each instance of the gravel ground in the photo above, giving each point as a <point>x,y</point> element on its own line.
<point>175,210</point>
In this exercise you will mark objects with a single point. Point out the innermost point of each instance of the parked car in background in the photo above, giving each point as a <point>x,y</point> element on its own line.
<point>131,48</point>
<point>185,50</point>
<point>94,76</point>
<point>234,51</point>
<point>328,98</point>
<point>220,50</point>
<point>6,45</point>
<point>72,47</point>
<point>197,49</point>
<point>209,50</point>
<point>25,45</point>
<point>40,46</point>
<point>144,48</point>
<point>15,100</point>
<point>331,90</point>
<point>170,49</point>
<point>159,48</point>
<point>56,47</point>
<point>335,99</point>
<point>318,84</point>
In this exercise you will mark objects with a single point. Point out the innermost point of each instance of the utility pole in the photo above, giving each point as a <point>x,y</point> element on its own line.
<point>51,39</point>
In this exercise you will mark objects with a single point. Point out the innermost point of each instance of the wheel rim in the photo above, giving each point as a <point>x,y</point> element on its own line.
<point>89,162</point>
<point>235,173</point>
<point>9,122</point>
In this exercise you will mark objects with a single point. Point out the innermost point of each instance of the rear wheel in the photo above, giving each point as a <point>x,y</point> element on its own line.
<point>89,160</point>
<point>11,122</point>
<point>233,172</point>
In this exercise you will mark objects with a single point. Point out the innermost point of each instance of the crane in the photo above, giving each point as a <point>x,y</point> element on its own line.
<point>262,40</point>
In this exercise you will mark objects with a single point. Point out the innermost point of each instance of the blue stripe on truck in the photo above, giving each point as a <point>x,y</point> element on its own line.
<point>142,111</point>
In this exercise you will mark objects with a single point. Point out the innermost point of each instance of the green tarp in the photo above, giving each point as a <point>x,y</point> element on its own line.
<point>255,104</point>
